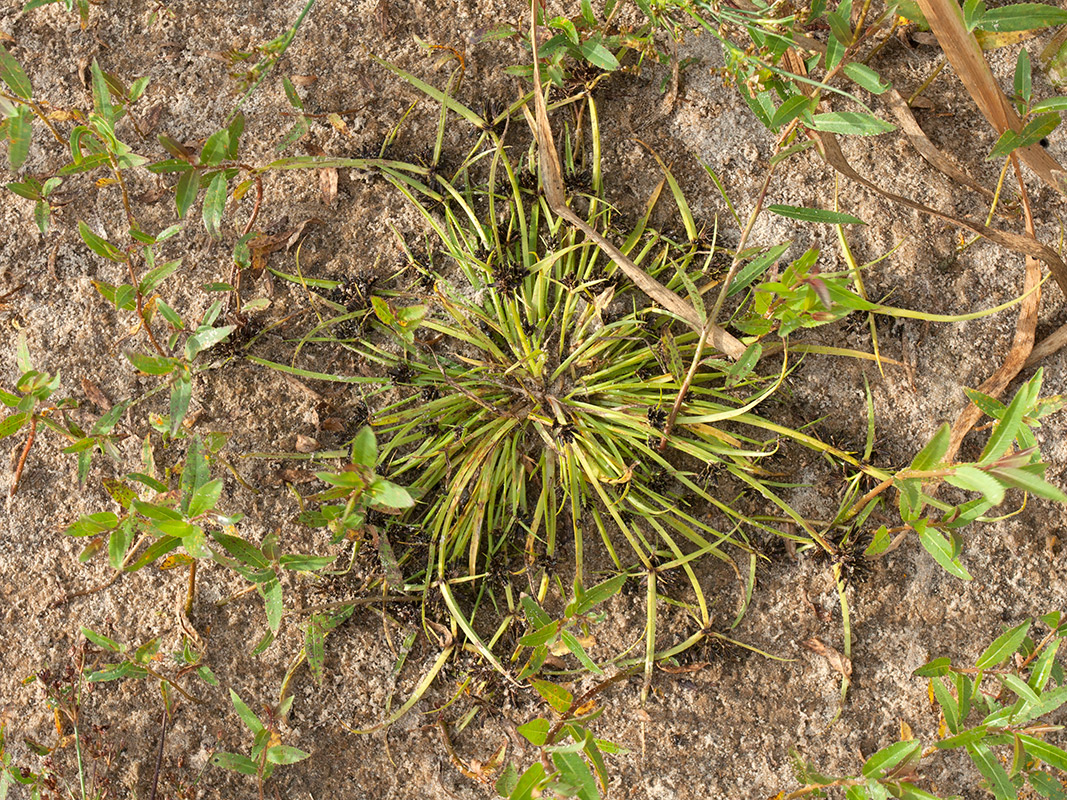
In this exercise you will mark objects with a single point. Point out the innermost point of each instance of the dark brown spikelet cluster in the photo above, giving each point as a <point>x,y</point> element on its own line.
<point>508,277</point>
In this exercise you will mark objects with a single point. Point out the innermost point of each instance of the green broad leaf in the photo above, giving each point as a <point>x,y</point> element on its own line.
<point>19,136</point>
<point>879,542</point>
<point>204,498</point>
<point>243,551</point>
<point>572,643</point>
<point>236,128</point>
<point>13,423</point>
<point>103,641</point>
<point>1029,479</point>
<point>575,771</point>
<point>962,739</point>
<point>235,762</point>
<point>949,707</point>
<point>154,551</point>
<point>851,123</point>
<point>554,694</point>
<point>941,549</point>
<point>272,603</point>
<point>1041,669</point>
<point>1023,82</point>
<point>315,646</point>
<point>291,95</point>
<point>546,633</point>
<point>304,563</point>
<point>1003,647</point>
<point>997,780</point>
<point>840,28</point>
<point>118,545</point>
<point>796,106</point>
<point>12,74</point>
<point>285,754</point>
<point>1020,687</point>
<point>175,527</point>
<point>384,494</point>
<point>508,781</point>
<point>1050,701</point>
<point>910,501</point>
<point>931,455</point>
<point>989,406</point>
<point>1046,786</point>
<point>152,365</point>
<point>1051,104</point>
<point>204,339</point>
<point>250,720</point>
<point>1021,17</point>
<point>181,394</point>
<point>186,191</point>
<point>972,479</point>
<point>535,731</point>
<point>154,511</point>
<point>101,93</point>
<point>42,215</point>
<point>885,760</point>
<point>144,653</point>
<point>866,77</point>
<point>93,524</point>
<point>157,275</point>
<point>972,13</point>
<point>1033,132</point>
<point>756,267</point>
<point>30,190</point>
<point>365,448</point>
<point>215,148</point>
<point>296,132</point>
<point>531,779</point>
<point>535,615</point>
<point>345,480</point>
<point>101,247</point>
<point>116,672</point>
<point>815,215</point>
<point>215,205</point>
<point>598,594</point>
<point>599,56</point>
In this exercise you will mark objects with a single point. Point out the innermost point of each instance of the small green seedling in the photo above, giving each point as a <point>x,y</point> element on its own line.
<point>33,189</point>
<point>1013,687</point>
<point>267,750</point>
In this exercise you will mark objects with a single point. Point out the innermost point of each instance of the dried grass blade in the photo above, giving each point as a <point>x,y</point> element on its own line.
<point>831,153</point>
<point>552,179</point>
<point>1022,345</point>
<point>919,140</point>
<point>965,55</point>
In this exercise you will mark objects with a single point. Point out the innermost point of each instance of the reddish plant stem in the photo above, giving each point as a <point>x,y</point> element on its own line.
<point>22,458</point>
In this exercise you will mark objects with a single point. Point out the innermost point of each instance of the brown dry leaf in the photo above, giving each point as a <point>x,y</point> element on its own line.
<point>96,397</point>
<point>965,55</point>
<point>305,444</point>
<point>289,475</point>
<point>263,244</point>
<point>899,107</point>
<point>838,662</point>
<point>1047,346</point>
<point>338,123</point>
<point>555,194</point>
<point>328,184</point>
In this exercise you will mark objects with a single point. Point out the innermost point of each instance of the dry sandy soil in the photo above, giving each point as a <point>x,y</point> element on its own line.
<point>721,731</point>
